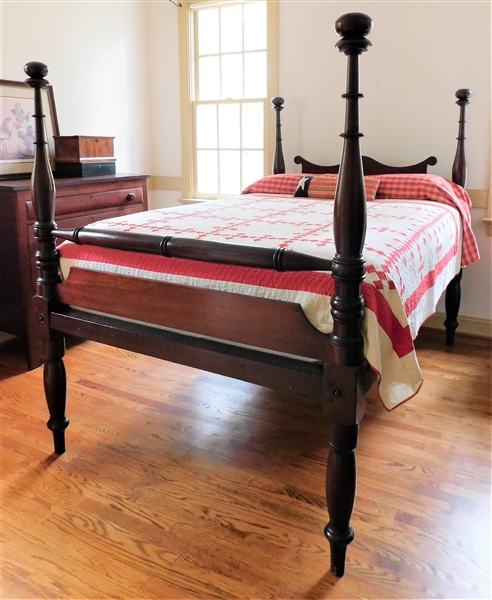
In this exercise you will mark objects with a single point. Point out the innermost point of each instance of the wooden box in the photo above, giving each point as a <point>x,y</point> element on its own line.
<point>84,156</point>
<point>83,148</point>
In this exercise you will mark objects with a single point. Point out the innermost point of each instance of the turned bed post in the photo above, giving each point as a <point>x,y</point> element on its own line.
<point>460,173</point>
<point>278,159</point>
<point>43,198</point>
<point>460,168</point>
<point>346,376</point>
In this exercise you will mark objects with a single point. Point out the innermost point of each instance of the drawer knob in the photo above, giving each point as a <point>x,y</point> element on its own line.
<point>130,197</point>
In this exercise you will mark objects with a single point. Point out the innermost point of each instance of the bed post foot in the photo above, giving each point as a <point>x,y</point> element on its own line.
<point>59,441</point>
<point>452,303</point>
<point>338,550</point>
<point>341,476</point>
<point>55,387</point>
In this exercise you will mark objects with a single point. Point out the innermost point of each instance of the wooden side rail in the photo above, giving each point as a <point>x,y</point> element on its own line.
<point>279,259</point>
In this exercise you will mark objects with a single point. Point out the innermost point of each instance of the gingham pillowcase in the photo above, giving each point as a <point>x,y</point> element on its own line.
<point>308,186</point>
<point>323,187</point>
<point>285,184</point>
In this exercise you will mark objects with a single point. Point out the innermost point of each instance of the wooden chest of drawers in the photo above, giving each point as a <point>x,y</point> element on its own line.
<point>79,202</point>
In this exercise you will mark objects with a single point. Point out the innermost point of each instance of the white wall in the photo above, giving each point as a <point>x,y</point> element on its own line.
<point>162,31</point>
<point>96,53</point>
<point>163,64</point>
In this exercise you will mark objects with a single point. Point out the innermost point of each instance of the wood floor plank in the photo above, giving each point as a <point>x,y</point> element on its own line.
<point>36,570</point>
<point>184,484</point>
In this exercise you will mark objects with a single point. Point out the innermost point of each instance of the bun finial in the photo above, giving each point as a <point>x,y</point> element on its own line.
<point>463,95</point>
<point>353,29</point>
<point>36,71</point>
<point>277,103</point>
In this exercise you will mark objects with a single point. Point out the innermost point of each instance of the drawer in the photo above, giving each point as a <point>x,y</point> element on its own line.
<point>68,205</point>
<point>82,220</point>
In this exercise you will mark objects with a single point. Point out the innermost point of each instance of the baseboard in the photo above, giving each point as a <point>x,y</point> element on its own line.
<point>469,325</point>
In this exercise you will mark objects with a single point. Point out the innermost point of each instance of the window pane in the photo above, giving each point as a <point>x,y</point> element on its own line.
<point>231,29</point>
<point>255,75</point>
<point>206,126</point>
<point>229,126</point>
<point>206,163</point>
<point>209,78</point>
<point>252,166</point>
<point>230,171</point>
<point>255,31</point>
<point>232,76</point>
<point>252,125</point>
<point>208,31</point>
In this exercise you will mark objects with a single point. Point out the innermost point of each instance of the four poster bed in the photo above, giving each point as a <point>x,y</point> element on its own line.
<point>270,286</point>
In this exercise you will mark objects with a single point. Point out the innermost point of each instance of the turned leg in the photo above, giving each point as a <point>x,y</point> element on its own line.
<point>341,476</point>
<point>452,303</point>
<point>55,387</point>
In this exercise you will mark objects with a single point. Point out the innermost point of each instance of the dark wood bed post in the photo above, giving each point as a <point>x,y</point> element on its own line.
<point>43,195</point>
<point>278,159</point>
<point>460,173</point>
<point>460,168</point>
<point>347,376</point>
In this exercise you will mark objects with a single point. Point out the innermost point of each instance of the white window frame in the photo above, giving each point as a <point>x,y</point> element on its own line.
<point>187,70</point>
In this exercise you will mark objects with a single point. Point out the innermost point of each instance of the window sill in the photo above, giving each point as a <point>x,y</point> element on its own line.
<point>195,200</point>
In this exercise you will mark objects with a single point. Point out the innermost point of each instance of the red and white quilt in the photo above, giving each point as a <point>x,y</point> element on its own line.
<point>412,251</point>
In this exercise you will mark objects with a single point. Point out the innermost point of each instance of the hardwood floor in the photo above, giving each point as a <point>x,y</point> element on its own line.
<point>182,484</point>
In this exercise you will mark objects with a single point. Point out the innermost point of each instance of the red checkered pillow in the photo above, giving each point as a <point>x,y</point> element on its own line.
<point>323,187</point>
<point>285,184</point>
<point>416,186</point>
<point>308,186</point>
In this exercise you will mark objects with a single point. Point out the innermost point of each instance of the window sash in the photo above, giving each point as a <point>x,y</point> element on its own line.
<point>224,79</point>
<point>190,103</point>
<point>217,135</point>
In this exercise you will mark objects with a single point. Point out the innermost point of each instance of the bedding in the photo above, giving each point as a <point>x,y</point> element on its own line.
<point>396,186</point>
<point>412,251</point>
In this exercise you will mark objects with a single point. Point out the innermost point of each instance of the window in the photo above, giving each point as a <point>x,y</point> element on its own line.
<point>227,123</point>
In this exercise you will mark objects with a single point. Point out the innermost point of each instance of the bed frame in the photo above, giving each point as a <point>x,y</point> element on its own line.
<point>337,372</point>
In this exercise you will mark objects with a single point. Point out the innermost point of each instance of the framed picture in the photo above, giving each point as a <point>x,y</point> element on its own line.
<point>17,127</point>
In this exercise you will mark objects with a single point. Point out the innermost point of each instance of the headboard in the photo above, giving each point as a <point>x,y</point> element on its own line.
<point>370,166</point>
